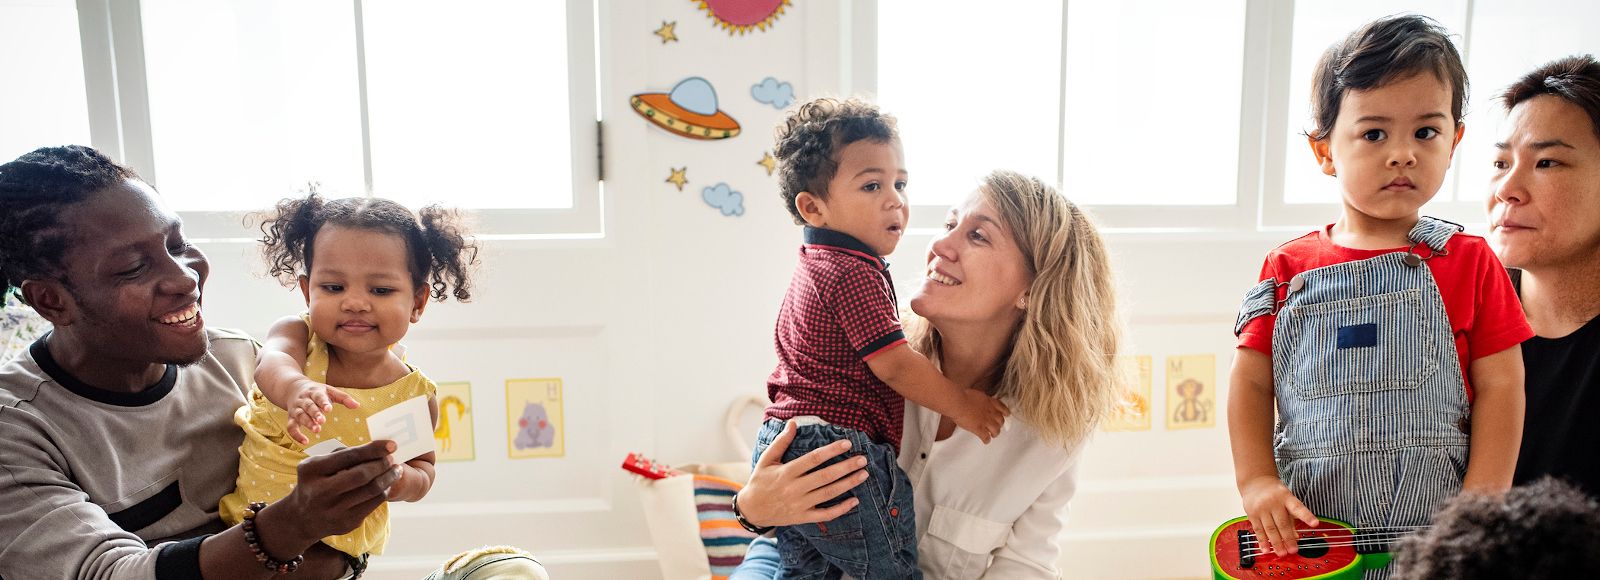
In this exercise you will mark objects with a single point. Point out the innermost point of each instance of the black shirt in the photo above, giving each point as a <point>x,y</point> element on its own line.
<point>1561,432</point>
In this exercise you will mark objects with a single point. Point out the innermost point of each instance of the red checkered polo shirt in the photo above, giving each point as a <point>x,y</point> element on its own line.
<point>838,313</point>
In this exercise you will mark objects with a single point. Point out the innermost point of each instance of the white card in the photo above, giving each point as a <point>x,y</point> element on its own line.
<point>408,425</point>
<point>325,447</point>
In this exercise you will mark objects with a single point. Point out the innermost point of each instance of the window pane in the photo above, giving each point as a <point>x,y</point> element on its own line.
<point>1143,77</point>
<point>1316,26</point>
<point>473,112</point>
<point>39,39</point>
<point>1510,39</point>
<point>252,99</point>
<point>975,89</point>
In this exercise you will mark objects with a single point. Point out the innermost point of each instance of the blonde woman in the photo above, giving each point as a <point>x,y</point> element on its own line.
<point>1017,301</point>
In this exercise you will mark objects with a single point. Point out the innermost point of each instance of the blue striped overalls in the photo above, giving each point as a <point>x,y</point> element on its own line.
<point>1372,408</point>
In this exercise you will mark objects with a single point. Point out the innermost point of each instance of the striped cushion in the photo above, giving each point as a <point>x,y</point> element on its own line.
<point>724,539</point>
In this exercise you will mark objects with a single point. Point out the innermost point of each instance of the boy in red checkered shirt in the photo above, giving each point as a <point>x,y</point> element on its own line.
<point>844,368</point>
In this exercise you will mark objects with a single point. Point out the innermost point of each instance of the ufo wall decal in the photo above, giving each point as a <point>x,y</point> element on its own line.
<point>689,110</point>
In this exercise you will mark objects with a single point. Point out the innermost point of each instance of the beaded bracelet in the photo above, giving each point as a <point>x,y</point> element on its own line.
<point>252,539</point>
<point>744,523</point>
<point>358,566</point>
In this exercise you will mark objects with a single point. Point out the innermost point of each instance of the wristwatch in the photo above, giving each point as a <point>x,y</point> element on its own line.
<point>744,523</point>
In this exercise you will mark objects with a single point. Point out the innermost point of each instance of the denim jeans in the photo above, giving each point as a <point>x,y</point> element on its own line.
<point>876,540</point>
<point>761,562</point>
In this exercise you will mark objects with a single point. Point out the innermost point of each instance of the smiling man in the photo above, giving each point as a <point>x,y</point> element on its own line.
<point>1545,221</point>
<point>116,430</point>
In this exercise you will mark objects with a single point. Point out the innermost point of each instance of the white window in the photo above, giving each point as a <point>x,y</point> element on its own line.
<point>487,105</point>
<point>1510,39</point>
<point>39,39</point>
<point>1148,93</point>
<point>1173,114</point>
<point>251,100</point>
<point>962,109</point>
<point>1304,195</point>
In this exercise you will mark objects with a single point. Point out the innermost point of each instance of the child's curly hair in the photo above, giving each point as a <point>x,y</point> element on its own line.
<point>809,140</point>
<point>1546,529</point>
<point>442,257</point>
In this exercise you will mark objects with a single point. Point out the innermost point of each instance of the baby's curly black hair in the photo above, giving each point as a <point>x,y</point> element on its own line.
<point>442,257</point>
<point>809,140</point>
<point>34,189</point>
<point>1546,529</point>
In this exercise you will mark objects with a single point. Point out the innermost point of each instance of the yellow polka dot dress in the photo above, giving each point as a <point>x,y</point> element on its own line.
<point>268,456</point>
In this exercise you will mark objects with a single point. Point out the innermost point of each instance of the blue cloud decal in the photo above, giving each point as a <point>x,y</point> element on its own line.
<point>724,198</point>
<point>773,92</point>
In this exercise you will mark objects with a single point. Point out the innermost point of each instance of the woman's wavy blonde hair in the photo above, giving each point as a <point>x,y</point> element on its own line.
<point>1062,372</point>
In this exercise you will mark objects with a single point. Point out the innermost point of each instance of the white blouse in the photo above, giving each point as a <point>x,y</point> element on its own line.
<point>987,511</point>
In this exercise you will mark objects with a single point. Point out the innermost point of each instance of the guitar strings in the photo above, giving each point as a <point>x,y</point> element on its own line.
<point>1367,537</point>
<point>1260,551</point>
<point>1394,530</point>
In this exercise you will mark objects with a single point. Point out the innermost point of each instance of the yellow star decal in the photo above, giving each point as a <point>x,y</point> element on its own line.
<point>678,177</point>
<point>667,31</point>
<point>768,162</point>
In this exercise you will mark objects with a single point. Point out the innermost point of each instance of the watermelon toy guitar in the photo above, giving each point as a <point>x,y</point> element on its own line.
<point>1333,550</point>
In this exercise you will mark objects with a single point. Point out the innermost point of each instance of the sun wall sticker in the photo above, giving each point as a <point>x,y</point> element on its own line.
<point>741,16</point>
<point>689,110</point>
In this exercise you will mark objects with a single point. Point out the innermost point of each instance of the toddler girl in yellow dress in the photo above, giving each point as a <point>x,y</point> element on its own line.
<point>367,267</point>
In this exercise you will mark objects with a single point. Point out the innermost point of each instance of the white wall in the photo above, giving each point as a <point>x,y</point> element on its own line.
<point>659,325</point>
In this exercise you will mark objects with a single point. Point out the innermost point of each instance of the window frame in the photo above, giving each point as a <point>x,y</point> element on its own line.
<point>1259,203</point>
<point>112,37</point>
<point>1276,211</point>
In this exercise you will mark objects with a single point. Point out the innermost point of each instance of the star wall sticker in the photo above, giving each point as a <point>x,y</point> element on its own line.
<point>768,162</point>
<point>668,31</point>
<point>679,177</point>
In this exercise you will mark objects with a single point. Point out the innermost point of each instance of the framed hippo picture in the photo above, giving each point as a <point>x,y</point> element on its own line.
<point>534,426</point>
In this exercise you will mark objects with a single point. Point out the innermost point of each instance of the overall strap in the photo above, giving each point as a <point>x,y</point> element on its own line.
<point>1434,232</point>
<point>1261,300</point>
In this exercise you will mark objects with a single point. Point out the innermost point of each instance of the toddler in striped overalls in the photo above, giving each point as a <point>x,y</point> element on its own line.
<point>1388,341</point>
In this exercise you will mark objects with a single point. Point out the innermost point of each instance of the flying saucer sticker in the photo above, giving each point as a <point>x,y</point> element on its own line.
<point>742,16</point>
<point>724,198</point>
<point>690,110</point>
<point>773,92</point>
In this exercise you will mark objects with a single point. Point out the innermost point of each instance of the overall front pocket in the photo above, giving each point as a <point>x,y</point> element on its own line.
<point>1360,345</point>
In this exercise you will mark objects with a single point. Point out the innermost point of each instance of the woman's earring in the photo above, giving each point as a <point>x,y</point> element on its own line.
<point>1022,303</point>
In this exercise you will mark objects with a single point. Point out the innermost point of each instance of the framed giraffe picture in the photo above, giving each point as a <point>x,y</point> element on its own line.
<point>453,437</point>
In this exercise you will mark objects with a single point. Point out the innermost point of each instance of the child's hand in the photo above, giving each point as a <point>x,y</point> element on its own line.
<point>398,491</point>
<point>412,486</point>
<point>312,399</point>
<point>984,415</point>
<point>1273,512</point>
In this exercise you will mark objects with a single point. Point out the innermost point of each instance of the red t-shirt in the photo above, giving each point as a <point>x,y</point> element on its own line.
<point>1483,309</point>
<point>838,313</point>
